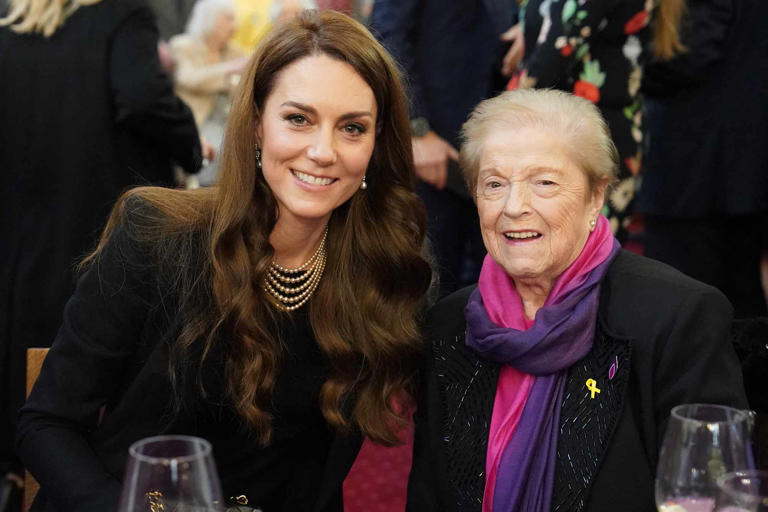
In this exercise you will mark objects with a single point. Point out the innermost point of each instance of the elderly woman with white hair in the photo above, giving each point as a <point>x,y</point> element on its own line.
<point>208,68</point>
<point>549,383</point>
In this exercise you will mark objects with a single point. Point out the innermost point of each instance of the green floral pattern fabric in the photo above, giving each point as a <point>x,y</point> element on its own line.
<point>594,49</point>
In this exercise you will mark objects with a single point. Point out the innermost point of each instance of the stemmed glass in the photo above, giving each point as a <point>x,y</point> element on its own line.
<point>171,473</point>
<point>742,491</point>
<point>702,443</point>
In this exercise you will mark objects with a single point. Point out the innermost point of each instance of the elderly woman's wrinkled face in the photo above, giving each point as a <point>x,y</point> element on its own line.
<point>534,203</point>
<point>224,27</point>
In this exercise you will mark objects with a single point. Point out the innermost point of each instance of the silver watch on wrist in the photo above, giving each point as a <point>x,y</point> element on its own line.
<point>419,126</point>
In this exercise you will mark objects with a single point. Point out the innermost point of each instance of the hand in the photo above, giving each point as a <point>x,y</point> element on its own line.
<point>209,152</point>
<point>430,156</point>
<point>515,53</point>
<point>525,81</point>
<point>167,62</point>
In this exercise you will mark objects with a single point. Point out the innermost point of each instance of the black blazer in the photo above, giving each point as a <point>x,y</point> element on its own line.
<point>451,54</point>
<point>105,385</point>
<point>670,336</point>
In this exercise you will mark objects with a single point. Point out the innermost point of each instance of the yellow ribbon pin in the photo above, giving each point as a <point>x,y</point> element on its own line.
<point>592,387</point>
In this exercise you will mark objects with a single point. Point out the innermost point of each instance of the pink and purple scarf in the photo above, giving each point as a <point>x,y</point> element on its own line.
<point>535,356</point>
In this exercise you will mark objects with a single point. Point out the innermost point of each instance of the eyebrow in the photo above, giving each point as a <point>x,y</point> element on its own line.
<point>535,169</point>
<point>545,168</point>
<point>311,110</point>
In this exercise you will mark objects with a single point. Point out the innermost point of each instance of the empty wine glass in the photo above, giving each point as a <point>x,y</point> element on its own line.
<point>702,443</point>
<point>171,474</point>
<point>742,491</point>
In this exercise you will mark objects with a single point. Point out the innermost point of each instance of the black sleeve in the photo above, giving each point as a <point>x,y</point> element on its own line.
<point>82,372</point>
<point>697,362</point>
<point>424,494</point>
<point>144,98</point>
<point>704,32</point>
<point>394,23</point>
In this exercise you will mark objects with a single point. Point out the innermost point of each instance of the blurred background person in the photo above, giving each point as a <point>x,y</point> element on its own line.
<point>451,52</point>
<point>345,6</point>
<point>256,17</point>
<point>705,187</point>
<point>594,50</point>
<point>208,68</point>
<point>85,112</point>
<point>282,10</point>
<point>252,19</point>
<point>172,16</point>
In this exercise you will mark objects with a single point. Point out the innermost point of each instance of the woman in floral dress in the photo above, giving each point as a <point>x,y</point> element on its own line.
<point>594,49</point>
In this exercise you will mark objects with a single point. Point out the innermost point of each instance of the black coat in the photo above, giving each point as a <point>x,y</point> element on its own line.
<point>706,116</point>
<point>105,384</point>
<point>84,115</point>
<point>670,336</point>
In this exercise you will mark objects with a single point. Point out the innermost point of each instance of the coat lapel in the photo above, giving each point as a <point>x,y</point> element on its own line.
<point>467,387</point>
<point>341,457</point>
<point>588,418</point>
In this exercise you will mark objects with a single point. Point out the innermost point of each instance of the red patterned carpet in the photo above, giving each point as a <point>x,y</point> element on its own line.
<point>379,478</point>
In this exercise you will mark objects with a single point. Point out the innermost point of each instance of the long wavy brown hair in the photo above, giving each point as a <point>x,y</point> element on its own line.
<point>365,311</point>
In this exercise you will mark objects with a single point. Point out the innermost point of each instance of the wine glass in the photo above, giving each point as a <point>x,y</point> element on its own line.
<point>702,442</point>
<point>171,474</point>
<point>743,491</point>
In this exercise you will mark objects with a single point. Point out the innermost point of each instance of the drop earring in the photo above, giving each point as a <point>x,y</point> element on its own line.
<point>363,184</point>
<point>258,155</point>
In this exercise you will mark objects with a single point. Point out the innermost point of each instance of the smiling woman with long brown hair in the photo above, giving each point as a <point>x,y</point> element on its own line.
<point>274,314</point>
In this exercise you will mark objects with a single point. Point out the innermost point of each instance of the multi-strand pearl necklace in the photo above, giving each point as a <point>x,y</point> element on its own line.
<point>292,287</point>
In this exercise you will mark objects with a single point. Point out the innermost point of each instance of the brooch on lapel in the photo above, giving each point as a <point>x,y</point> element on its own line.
<point>614,368</point>
<point>592,387</point>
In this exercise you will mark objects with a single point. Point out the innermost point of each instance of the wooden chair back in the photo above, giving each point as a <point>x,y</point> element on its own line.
<point>35,358</point>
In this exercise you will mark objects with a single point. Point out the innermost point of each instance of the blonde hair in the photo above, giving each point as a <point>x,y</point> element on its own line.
<point>666,29</point>
<point>41,16</point>
<point>578,121</point>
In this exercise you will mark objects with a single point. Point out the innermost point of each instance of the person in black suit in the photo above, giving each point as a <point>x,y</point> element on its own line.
<point>705,188</point>
<point>274,314</point>
<point>85,112</point>
<point>451,53</point>
<point>548,385</point>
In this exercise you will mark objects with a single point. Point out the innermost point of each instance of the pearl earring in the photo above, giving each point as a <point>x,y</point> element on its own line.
<point>363,184</point>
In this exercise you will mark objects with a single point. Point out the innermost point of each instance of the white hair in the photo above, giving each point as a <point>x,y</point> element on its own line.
<point>578,122</point>
<point>204,16</point>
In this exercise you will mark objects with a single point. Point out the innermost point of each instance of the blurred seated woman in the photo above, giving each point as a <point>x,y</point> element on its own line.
<point>550,381</point>
<point>207,69</point>
<point>261,313</point>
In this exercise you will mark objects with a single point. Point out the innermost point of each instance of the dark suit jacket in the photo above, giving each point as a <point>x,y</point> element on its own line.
<point>84,115</point>
<point>706,116</point>
<point>105,385</point>
<point>450,52</point>
<point>670,336</point>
